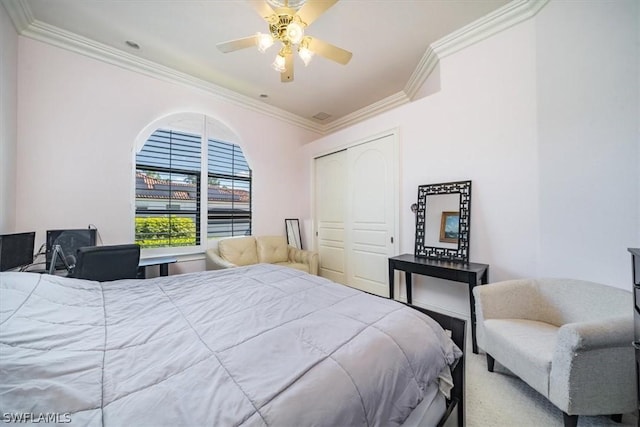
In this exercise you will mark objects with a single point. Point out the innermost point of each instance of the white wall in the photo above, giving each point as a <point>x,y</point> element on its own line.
<point>490,123</point>
<point>8,122</point>
<point>587,84</point>
<point>78,119</point>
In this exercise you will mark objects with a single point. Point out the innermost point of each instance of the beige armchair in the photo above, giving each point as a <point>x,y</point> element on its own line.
<point>241,251</point>
<point>568,339</point>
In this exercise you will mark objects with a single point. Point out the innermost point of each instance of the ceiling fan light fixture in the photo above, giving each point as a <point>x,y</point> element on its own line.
<point>295,32</point>
<point>287,21</point>
<point>265,41</point>
<point>279,63</point>
<point>305,54</point>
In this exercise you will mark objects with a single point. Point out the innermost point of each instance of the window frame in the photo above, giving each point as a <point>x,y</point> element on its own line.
<point>208,129</point>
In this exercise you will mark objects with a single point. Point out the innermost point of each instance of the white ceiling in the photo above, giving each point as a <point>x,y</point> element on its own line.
<point>388,40</point>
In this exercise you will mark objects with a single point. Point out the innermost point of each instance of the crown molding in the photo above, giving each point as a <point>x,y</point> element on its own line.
<point>507,16</point>
<point>20,14</point>
<point>499,20</point>
<point>55,36</point>
<point>427,64</point>
<point>386,104</point>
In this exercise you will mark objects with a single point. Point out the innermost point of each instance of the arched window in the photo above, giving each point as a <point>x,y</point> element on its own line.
<point>190,186</point>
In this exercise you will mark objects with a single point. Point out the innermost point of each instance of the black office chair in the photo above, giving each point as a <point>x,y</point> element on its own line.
<point>105,263</point>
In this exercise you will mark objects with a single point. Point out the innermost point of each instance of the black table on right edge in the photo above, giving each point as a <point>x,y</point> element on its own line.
<point>467,272</point>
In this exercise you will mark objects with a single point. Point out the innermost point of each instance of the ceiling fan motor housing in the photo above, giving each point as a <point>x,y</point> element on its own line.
<point>279,22</point>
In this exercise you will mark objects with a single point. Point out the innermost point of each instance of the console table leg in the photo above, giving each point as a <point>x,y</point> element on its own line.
<point>408,284</point>
<point>473,281</point>
<point>391,280</point>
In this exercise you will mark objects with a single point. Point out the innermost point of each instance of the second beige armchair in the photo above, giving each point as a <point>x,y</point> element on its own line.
<point>241,251</point>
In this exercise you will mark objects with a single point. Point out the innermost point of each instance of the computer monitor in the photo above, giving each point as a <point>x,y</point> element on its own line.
<point>16,250</point>
<point>69,241</point>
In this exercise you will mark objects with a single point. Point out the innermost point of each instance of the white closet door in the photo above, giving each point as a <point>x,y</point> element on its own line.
<point>330,211</point>
<point>371,214</point>
<point>355,213</point>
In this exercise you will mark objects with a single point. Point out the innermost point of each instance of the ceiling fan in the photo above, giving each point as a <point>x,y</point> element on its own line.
<point>287,21</point>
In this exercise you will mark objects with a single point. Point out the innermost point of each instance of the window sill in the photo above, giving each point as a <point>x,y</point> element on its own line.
<point>190,254</point>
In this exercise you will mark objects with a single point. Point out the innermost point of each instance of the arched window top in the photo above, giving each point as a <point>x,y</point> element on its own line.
<point>189,122</point>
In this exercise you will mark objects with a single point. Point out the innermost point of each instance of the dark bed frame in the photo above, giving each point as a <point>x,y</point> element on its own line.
<point>457,328</point>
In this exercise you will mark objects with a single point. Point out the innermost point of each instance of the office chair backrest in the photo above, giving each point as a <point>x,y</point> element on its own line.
<point>105,263</point>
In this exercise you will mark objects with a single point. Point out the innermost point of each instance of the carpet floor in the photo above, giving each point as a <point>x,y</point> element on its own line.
<point>502,400</point>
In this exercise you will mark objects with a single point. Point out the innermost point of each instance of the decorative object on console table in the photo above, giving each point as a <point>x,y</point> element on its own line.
<point>468,272</point>
<point>437,204</point>
<point>635,266</point>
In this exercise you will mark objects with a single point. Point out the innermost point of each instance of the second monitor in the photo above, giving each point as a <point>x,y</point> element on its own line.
<point>70,241</point>
<point>16,250</point>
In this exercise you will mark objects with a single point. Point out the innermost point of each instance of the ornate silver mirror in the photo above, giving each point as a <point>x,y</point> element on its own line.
<point>443,221</point>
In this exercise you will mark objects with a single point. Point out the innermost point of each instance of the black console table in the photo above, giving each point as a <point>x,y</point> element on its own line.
<point>467,272</point>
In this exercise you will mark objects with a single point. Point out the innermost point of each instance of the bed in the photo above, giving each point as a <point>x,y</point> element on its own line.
<point>262,345</point>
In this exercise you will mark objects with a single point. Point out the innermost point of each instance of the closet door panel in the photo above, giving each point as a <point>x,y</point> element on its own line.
<point>330,208</point>
<point>370,214</point>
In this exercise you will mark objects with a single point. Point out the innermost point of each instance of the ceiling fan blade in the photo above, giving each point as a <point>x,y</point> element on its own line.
<point>262,7</point>
<point>329,51</point>
<point>287,75</point>
<point>238,44</point>
<point>310,11</point>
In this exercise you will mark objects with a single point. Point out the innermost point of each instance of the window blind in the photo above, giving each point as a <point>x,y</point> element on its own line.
<point>168,190</point>
<point>229,191</point>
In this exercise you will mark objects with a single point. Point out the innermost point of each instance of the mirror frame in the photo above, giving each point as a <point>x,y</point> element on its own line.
<point>461,254</point>
<point>292,228</point>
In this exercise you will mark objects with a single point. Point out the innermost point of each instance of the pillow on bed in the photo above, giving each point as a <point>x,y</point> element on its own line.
<point>272,249</point>
<point>239,250</point>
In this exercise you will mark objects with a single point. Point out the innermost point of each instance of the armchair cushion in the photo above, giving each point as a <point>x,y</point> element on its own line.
<point>239,250</point>
<point>272,249</point>
<point>526,348</point>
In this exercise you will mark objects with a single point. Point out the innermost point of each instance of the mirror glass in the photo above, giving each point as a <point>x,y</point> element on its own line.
<point>293,233</point>
<point>443,221</point>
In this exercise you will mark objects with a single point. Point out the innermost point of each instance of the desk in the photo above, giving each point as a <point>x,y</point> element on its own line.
<point>162,261</point>
<point>468,272</point>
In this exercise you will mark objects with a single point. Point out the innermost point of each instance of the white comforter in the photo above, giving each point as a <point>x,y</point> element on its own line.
<point>252,346</point>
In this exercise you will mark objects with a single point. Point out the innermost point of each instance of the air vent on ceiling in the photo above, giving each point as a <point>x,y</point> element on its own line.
<point>322,116</point>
